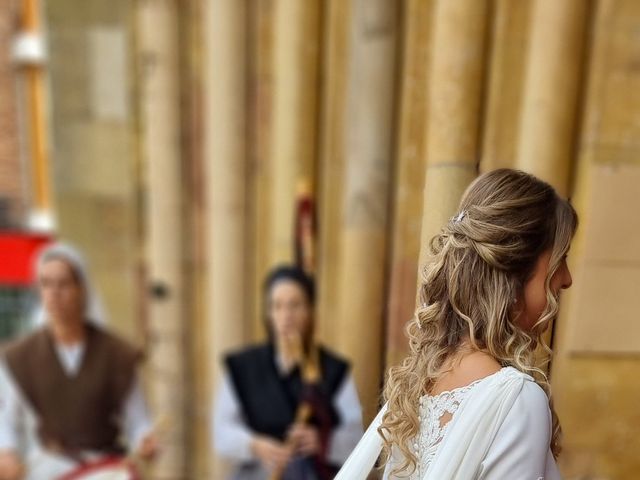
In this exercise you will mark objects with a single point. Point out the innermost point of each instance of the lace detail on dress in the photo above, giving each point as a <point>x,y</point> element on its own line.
<point>432,425</point>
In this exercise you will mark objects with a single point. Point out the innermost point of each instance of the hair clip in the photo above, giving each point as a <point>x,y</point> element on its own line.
<point>460,216</point>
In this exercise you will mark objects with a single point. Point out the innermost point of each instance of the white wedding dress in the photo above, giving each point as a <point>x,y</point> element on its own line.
<point>499,429</point>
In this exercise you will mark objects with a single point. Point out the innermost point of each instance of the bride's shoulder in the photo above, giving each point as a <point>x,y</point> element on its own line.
<point>533,394</point>
<point>531,404</point>
<point>469,370</point>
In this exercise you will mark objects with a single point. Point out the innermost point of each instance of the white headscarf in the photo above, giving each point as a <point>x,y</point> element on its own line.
<point>94,311</point>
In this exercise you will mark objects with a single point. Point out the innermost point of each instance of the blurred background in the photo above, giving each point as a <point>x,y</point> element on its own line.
<point>174,141</point>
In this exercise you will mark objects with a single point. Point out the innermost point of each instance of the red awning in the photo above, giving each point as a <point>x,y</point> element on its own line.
<point>17,250</point>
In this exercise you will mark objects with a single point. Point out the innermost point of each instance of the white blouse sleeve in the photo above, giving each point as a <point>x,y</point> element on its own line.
<point>231,436</point>
<point>137,421</point>
<point>11,411</point>
<point>346,436</point>
<point>521,448</point>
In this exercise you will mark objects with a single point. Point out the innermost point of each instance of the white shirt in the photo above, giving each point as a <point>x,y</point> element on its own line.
<point>520,448</point>
<point>500,429</point>
<point>232,437</point>
<point>14,408</point>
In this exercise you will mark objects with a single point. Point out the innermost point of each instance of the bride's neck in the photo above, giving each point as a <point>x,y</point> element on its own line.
<point>464,349</point>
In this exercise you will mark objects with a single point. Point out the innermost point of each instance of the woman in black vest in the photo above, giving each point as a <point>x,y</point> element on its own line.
<point>264,386</point>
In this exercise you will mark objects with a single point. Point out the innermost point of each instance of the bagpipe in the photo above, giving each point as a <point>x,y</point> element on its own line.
<point>313,404</point>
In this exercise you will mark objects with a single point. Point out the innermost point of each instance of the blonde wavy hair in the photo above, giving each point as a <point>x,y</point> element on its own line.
<point>480,263</point>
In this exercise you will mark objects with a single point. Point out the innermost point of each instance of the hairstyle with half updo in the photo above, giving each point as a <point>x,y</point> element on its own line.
<point>480,262</point>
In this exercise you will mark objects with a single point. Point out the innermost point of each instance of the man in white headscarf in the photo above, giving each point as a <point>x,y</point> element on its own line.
<point>69,390</point>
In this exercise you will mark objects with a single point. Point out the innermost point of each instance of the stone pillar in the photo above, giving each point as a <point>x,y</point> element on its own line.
<point>411,163</point>
<point>226,170</point>
<point>157,45</point>
<point>554,71</point>
<point>295,112</point>
<point>455,105</point>
<point>510,38</point>
<point>366,152</point>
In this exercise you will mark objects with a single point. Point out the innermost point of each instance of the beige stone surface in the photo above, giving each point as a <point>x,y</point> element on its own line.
<point>594,380</point>
<point>362,211</point>
<point>93,166</point>
<point>409,174</point>
<point>160,149</point>
<point>260,137</point>
<point>336,55</point>
<point>454,114</point>
<point>552,86</point>
<point>296,59</point>
<point>226,169</point>
<point>509,37</point>
<point>604,318</point>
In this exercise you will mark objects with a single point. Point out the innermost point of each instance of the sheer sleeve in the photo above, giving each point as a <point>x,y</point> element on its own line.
<point>521,447</point>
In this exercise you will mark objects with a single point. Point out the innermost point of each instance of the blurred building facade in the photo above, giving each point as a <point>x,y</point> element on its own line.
<point>180,131</point>
<point>12,194</point>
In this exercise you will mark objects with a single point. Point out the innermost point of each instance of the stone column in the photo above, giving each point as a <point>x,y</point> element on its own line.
<point>366,155</point>
<point>157,50</point>
<point>455,107</point>
<point>226,170</point>
<point>411,163</point>
<point>552,83</point>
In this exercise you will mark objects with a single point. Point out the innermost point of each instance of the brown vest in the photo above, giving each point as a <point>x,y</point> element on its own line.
<point>80,412</point>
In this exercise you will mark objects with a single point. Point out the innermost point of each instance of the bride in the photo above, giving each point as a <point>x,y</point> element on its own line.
<point>469,401</point>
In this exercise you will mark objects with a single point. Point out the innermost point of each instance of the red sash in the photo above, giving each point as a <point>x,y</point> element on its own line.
<point>101,465</point>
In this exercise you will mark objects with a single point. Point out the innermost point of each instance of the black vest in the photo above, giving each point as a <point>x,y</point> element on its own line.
<point>269,400</point>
